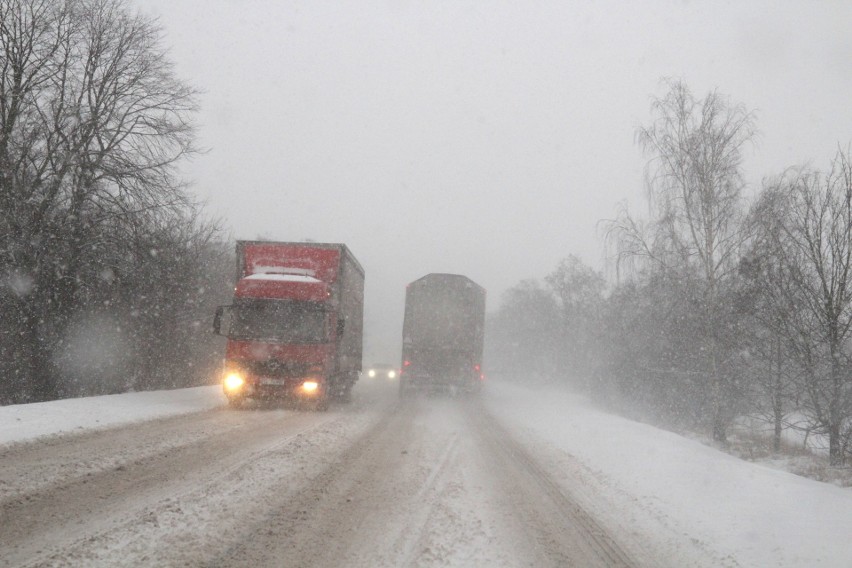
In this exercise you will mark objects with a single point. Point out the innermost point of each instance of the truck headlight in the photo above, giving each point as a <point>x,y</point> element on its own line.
<point>310,386</point>
<point>392,374</point>
<point>371,373</point>
<point>233,382</point>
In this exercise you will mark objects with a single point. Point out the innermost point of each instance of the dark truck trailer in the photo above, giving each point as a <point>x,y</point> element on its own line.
<point>295,327</point>
<point>443,335</point>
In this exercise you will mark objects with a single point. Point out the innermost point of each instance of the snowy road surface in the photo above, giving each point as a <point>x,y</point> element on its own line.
<point>512,480</point>
<point>421,483</point>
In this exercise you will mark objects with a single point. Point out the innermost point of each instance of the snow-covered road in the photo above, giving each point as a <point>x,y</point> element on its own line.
<point>382,483</point>
<point>515,479</point>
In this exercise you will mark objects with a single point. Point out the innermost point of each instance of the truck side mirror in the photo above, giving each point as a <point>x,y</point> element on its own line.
<point>341,324</point>
<point>217,320</point>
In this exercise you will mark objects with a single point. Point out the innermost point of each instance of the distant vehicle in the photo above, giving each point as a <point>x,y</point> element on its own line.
<point>443,334</point>
<point>295,328</point>
<point>382,371</point>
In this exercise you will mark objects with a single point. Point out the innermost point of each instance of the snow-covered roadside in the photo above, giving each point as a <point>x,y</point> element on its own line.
<point>22,422</point>
<point>741,513</point>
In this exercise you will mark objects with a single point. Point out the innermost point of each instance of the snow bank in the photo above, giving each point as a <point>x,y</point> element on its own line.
<point>22,422</point>
<point>735,510</point>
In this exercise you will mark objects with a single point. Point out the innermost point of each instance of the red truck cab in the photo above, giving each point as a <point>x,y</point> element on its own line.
<point>295,326</point>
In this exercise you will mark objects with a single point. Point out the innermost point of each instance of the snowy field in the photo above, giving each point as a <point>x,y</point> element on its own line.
<point>698,506</point>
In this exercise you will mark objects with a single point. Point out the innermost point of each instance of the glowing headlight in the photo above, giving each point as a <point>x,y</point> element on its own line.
<point>233,382</point>
<point>392,374</point>
<point>310,386</point>
<point>371,373</point>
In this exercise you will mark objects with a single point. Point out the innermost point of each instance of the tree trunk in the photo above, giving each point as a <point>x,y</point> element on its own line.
<point>835,453</point>
<point>777,400</point>
<point>720,422</point>
<point>776,438</point>
<point>720,428</point>
<point>835,415</point>
<point>42,376</point>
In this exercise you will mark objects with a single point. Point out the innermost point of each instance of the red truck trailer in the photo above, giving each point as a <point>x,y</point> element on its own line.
<point>443,335</point>
<point>295,326</point>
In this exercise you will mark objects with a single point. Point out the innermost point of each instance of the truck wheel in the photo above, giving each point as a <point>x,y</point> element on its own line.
<point>236,402</point>
<point>319,404</point>
<point>342,394</point>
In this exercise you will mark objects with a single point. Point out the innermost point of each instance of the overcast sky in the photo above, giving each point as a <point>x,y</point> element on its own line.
<point>483,138</point>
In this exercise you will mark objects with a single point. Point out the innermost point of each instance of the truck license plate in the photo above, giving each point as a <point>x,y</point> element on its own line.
<point>271,381</point>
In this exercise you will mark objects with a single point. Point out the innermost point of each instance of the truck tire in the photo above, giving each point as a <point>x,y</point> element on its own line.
<point>342,391</point>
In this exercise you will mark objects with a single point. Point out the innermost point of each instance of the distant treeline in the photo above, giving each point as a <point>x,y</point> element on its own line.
<point>108,271</point>
<point>719,309</point>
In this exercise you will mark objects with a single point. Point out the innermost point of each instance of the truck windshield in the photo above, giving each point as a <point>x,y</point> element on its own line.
<point>279,320</point>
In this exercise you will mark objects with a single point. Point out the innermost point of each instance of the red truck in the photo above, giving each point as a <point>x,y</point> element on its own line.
<point>443,335</point>
<point>295,326</point>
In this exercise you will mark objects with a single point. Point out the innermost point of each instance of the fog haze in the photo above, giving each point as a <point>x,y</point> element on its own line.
<point>479,138</point>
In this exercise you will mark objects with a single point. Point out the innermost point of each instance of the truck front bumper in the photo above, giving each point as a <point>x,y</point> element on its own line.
<point>236,386</point>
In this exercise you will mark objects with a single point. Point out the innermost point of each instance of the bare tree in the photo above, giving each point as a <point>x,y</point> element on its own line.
<point>579,291</point>
<point>814,247</point>
<point>92,122</point>
<point>694,189</point>
<point>523,333</point>
<point>768,297</point>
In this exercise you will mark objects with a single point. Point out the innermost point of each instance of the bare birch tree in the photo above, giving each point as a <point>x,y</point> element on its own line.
<point>695,149</point>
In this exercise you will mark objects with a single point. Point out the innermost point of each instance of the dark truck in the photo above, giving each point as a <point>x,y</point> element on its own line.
<point>443,335</point>
<point>295,327</point>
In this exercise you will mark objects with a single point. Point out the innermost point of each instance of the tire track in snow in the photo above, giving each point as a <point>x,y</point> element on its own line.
<point>39,527</point>
<point>435,483</point>
<point>560,523</point>
<point>289,521</point>
<point>427,494</point>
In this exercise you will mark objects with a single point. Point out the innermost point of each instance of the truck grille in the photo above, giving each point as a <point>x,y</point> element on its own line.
<point>275,368</point>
